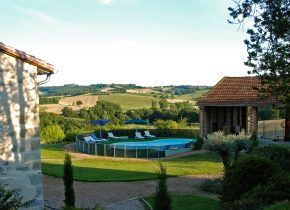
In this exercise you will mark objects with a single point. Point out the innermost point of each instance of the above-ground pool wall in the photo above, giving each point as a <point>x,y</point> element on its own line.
<point>20,166</point>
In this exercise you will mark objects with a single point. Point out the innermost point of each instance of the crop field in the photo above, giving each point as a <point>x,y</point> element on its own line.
<point>129,101</point>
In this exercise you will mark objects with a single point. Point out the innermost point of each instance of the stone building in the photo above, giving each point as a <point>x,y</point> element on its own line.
<point>232,105</point>
<point>20,166</point>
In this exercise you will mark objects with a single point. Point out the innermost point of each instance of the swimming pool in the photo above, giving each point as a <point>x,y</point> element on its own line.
<point>161,144</point>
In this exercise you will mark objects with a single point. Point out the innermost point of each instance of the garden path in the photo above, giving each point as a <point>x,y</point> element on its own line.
<point>88,194</point>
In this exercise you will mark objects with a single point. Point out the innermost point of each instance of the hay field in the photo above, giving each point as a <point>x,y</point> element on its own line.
<point>88,100</point>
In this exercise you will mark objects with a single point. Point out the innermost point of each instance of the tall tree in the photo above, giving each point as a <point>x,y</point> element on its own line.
<point>268,46</point>
<point>68,182</point>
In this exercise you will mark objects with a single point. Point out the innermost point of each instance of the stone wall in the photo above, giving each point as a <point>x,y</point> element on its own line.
<point>19,129</point>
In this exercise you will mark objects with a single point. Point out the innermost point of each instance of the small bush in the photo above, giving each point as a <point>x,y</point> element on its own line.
<point>245,174</point>
<point>245,204</point>
<point>212,186</point>
<point>282,205</point>
<point>198,144</point>
<point>162,198</point>
<point>279,154</point>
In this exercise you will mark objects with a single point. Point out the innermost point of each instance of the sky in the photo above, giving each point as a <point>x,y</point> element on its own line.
<point>143,42</point>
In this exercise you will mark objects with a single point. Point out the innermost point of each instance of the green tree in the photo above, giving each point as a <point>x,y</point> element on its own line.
<point>227,146</point>
<point>68,182</point>
<point>51,134</point>
<point>164,104</point>
<point>162,198</point>
<point>154,104</point>
<point>268,47</point>
<point>79,102</point>
<point>68,112</point>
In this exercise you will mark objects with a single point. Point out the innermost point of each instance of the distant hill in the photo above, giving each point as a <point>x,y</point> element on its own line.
<point>128,96</point>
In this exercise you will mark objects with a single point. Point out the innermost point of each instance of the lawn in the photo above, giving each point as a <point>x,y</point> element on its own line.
<point>189,202</point>
<point>103,169</point>
<point>129,101</point>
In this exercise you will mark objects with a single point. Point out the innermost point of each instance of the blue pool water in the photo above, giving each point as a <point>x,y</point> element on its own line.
<point>162,144</point>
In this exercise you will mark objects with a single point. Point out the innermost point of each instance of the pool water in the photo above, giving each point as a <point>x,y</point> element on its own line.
<point>161,144</point>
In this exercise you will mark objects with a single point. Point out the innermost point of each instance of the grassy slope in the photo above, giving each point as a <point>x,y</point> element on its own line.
<point>189,202</point>
<point>190,96</point>
<point>98,169</point>
<point>129,101</point>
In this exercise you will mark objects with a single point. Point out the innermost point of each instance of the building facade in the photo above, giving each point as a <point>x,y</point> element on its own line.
<point>20,166</point>
<point>231,106</point>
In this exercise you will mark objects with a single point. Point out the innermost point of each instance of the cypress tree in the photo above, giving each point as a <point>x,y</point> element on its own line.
<point>68,182</point>
<point>162,198</point>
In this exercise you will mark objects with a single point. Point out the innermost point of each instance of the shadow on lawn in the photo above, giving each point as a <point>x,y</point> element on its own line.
<point>87,174</point>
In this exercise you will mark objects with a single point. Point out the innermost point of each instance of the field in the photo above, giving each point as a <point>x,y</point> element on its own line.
<point>93,168</point>
<point>129,101</point>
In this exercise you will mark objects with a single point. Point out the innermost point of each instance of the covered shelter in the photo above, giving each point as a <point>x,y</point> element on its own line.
<point>232,105</point>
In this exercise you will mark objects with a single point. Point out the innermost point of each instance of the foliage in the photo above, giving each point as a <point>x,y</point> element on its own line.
<point>244,175</point>
<point>280,154</point>
<point>9,199</point>
<point>268,46</point>
<point>52,134</point>
<point>212,185</point>
<point>189,202</point>
<point>282,205</point>
<point>258,179</point>
<point>198,144</point>
<point>79,102</point>
<point>162,196</point>
<point>49,100</point>
<point>227,145</point>
<point>166,124</point>
<point>68,182</point>
<point>269,113</point>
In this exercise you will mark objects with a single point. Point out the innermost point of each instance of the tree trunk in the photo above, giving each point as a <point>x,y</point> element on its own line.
<point>287,124</point>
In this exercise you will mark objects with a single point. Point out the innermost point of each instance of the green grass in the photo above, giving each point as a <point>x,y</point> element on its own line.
<point>129,101</point>
<point>100,169</point>
<point>192,96</point>
<point>189,202</point>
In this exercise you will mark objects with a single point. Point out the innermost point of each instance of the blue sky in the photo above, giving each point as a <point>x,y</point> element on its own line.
<point>146,42</point>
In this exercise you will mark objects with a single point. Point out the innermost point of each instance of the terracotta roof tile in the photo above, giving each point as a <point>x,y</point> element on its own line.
<point>235,91</point>
<point>44,67</point>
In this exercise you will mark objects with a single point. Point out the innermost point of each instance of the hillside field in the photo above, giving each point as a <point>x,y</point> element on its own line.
<point>127,101</point>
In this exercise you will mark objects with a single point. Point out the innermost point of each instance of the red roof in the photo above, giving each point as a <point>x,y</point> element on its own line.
<point>43,67</point>
<point>235,91</point>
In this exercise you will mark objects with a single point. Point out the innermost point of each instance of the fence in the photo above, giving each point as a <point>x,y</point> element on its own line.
<point>112,151</point>
<point>271,129</point>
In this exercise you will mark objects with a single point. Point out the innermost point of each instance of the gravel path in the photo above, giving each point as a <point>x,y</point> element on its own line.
<point>89,194</point>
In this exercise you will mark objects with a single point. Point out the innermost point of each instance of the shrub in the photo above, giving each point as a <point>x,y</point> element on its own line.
<point>245,174</point>
<point>9,199</point>
<point>198,144</point>
<point>282,205</point>
<point>226,145</point>
<point>245,204</point>
<point>276,189</point>
<point>52,134</point>
<point>162,197</point>
<point>280,154</point>
<point>68,182</point>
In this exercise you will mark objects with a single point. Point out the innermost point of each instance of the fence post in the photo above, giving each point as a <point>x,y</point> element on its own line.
<point>147,152</point>
<point>114,150</point>
<point>136,152</point>
<point>104,149</point>
<point>83,147</point>
<point>125,152</point>
<point>96,149</point>
<point>275,131</point>
<point>158,151</point>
